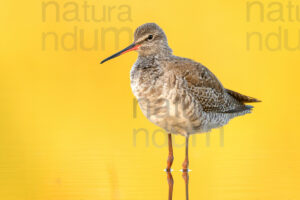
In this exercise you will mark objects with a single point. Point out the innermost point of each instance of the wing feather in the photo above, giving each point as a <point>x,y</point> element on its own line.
<point>204,86</point>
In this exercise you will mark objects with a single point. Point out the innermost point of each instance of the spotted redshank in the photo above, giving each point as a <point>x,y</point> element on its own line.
<point>178,94</point>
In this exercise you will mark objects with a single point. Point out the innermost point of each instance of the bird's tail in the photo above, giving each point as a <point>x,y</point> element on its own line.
<point>242,98</point>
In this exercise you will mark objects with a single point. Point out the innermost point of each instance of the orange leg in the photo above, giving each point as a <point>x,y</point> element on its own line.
<point>170,157</point>
<point>185,164</point>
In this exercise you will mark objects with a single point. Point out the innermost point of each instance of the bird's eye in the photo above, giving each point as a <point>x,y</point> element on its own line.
<point>149,37</point>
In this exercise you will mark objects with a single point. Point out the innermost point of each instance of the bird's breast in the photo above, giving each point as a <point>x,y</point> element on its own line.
<point>146,83</point>
<point>161,102</point>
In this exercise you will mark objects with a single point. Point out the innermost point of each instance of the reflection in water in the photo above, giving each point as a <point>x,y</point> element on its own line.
<point>185,176</point>
<point>171,183</point>
<point>170,179</point>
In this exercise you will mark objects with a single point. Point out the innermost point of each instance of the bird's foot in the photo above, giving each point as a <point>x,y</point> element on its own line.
<point>168,170</point>
<point>185,170</point>
<point>185,166</point>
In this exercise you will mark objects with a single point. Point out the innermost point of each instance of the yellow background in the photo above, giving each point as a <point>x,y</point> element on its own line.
<point>67,122</point>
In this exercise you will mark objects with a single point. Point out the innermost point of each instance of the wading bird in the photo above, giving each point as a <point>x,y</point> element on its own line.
<point>178,94</point>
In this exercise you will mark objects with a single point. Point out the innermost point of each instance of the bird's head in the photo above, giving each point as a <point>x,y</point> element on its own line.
<point>149,39</point>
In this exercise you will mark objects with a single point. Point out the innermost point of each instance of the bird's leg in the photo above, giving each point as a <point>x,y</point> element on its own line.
<point>185,164</point>
<point>170,157</point>
<point>171,183</point>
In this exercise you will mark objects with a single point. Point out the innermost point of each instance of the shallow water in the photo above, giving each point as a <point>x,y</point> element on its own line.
<point>76,170</point>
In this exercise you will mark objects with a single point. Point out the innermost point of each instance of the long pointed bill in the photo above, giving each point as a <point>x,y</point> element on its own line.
<point>131,47</point>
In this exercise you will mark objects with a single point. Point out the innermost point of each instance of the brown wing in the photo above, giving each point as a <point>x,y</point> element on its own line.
<point>203,85</point>
<point>207,89</point>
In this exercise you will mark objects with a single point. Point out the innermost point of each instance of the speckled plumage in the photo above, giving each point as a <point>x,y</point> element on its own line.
<point>179,94</point>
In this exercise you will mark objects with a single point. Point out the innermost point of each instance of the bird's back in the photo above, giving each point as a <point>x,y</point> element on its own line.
<point>204,86</point>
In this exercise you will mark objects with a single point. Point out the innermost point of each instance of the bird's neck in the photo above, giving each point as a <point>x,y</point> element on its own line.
<point>161,55</point>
